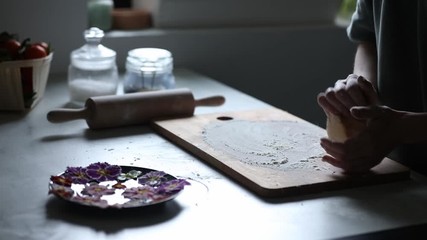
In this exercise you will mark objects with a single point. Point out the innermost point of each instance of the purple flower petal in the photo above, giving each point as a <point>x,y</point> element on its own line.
<point>153,178</point>
<point>97,190</point>
<point>64,192</point>
<point>141,192</point>
<point>61,180</point>
<point>90,201</point>
<point>103,171</point>
<point>77,175</point>
<point>113,171</point>
<point>173,186</point>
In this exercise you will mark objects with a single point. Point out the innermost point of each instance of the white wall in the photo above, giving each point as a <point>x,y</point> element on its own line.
<point>284,66</point>
<point>60,22</point>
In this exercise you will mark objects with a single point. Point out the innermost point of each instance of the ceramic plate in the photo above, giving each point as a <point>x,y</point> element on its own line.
<point>112,186</point>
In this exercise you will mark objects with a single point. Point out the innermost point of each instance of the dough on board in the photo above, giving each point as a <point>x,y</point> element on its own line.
<point>340,129</point>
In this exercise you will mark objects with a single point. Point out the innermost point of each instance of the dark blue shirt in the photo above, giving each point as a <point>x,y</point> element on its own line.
<point>399,30</point>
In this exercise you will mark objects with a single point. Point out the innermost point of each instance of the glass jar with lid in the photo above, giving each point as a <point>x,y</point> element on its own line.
<point>93,70</point>
<point>148,69</point>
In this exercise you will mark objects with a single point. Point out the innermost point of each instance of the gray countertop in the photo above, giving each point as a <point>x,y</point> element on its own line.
<point>212,207</point>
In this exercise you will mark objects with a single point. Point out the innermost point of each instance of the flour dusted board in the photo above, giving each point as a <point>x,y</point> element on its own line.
<point>269,151</point>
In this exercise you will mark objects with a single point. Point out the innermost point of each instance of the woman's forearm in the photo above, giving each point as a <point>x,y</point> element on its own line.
<point>411,127</point>
<point>365,62</point>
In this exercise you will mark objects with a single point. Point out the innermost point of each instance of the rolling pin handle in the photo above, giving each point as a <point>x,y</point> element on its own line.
<point>210,101</point>
<point>64,115</point>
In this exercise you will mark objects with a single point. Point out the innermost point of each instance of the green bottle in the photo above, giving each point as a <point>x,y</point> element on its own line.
<point>99,14</point>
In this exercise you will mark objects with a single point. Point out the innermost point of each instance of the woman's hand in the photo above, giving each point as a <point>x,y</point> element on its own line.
<point>366,150</point>
<point>347,93</point>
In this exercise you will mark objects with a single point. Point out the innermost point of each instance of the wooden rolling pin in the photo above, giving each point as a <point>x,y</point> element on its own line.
<point>134,108</point>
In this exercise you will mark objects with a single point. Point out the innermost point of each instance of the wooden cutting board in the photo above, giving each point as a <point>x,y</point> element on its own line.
<point>269,151</point>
